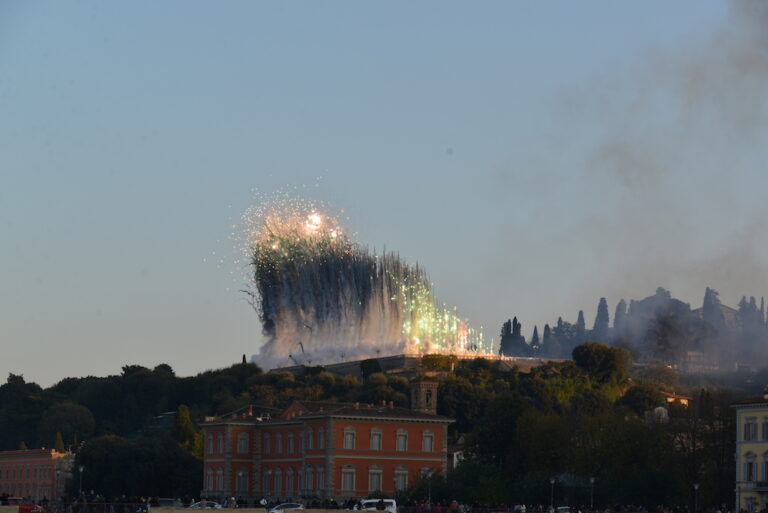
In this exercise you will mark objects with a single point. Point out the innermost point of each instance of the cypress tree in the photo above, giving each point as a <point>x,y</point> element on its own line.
<point>619,318</point>
<point>535,339</point>
<point>711,311</point>
<point>600,328</point>
<point>183,430</point>
<point>550,344</point>
<point>506,338</point>
<point>581,328</point>
<point>58,443</point>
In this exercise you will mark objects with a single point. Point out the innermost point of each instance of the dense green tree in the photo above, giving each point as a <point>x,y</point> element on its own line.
<point>73,421</point>
<point>184,432</point>
<point>21,405</point>
<point>603,363</point>
<point>642,398</point>
<point>152,465</point>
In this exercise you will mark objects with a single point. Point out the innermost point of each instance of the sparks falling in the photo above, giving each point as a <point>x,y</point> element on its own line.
<point>322,297</point>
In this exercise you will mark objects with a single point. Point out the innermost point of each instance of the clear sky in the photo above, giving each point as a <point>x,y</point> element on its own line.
<point>533,156</point>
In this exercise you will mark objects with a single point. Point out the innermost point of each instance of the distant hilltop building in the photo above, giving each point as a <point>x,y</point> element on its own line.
<point>730,315</point>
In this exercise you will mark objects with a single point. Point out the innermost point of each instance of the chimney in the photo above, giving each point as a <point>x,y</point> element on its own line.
<point>765,393</point>
<point>357,406</point>
<point>383,402</point>
<point>250,410</point>
<point>391,404</point>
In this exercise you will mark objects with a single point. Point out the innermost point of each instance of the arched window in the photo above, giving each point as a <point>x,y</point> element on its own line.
<point>220,442</point>
<point>374,478</point>
<point>219,479</point>
<point>376,436</point>
<point>291,448</point>
<point>401,440</point>
<point>278,482</point>
<point>266,443</point>
<point>241,484</point>
<point>349,438</point>
<point>265,478</point>
<point>428,441</point>
<point>348,478</point>
<point>309,479</point>
<point>401,478</point>
<point>321,438</point>
<point>320,478</point>
<point>289,481</point>
<point>310,439</point>
<point>209,479</point>
<point>765,467</point>
<point>749,467</point>
<point>279,443</point>
<point>242,443</point>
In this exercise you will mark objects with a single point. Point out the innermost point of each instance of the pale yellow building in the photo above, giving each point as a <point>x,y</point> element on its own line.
<point>752,453</point>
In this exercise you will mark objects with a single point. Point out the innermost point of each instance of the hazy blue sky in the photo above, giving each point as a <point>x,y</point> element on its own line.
<point>533,156</point>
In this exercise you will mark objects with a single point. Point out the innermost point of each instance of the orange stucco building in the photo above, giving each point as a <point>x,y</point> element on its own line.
<point>320,450</point>
<point>35,473</point>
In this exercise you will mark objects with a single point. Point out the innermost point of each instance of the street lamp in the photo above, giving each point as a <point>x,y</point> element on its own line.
<point>80,488</point>
<point>552,492</point>
<point>591,493</point>
<point>695,497</point>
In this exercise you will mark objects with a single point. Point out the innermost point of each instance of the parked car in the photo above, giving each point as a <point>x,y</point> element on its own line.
<point>286,506</point>
<point>169,502</point>
<point>373,504</point>
<point>205,505</point>
<point>24,505</point>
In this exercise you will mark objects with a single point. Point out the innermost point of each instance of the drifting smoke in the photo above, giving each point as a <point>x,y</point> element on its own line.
<point>680,158</point>
<point>665,155</point>
<point>322,298</point>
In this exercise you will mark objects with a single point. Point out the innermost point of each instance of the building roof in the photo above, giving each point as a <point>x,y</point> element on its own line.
<point>314,409</point>
<point>755,400</point>
<point>674,396</point>
<point>299,410</point>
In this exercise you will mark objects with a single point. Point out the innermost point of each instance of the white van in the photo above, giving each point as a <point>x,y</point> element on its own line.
<point>370,505</point>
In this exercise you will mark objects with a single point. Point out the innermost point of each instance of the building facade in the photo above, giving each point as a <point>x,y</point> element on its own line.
<point>36,474</point>
<point>322,450</point>
<point>752,454</point>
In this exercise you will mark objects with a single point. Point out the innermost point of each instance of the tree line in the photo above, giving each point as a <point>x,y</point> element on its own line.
<point>658,327</point>
<point>595,416</point>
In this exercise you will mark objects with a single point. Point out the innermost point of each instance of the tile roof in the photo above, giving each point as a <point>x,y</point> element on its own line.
<point>321,408</point>
<point>751,400</point>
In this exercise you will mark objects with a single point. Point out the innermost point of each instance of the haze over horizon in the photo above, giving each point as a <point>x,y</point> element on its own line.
<point>532,157</point>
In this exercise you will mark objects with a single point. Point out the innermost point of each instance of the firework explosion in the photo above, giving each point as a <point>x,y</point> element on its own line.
<point>322,297</point>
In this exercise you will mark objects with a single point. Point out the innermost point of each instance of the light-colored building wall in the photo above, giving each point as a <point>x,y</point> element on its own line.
<point>752,454</point>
